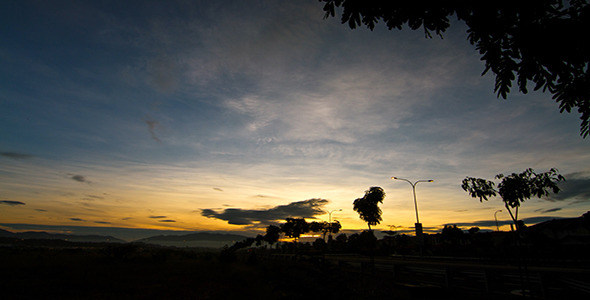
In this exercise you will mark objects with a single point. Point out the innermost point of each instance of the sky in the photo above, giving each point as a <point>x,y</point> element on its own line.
<point>233,115</point>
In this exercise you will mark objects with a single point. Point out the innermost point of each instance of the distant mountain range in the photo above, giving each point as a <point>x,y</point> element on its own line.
<point>199,239</point>
<point>58,236</point>
<point>561,228</point>
<point>199,236</point>
<point>558,228</point>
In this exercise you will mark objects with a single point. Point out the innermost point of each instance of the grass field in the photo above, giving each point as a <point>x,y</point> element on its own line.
<point>145,272</point>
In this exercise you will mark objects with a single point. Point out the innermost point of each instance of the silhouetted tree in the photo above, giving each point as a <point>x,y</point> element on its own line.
<point>341,238</point>
<point>451,231</point>
<point>295,227</point>
<point>325,227</point>
<point>318,226</point>
<point>367,206</point>
<point>514,188</point>
<point>536,40</point>
<point>473,230</point>
<point>259,239</point>
<point>319,244</point>
<point>334,227</point>
<point>364,241</point>
<point>272,234</point>
<point>452,234</point>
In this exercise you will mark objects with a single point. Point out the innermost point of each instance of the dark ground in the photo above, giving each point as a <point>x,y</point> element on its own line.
<point>129,271</point>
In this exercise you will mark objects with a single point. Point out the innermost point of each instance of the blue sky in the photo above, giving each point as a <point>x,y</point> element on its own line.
<point>153,114</point>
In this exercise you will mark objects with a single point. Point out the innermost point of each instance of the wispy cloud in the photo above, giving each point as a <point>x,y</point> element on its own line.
<point>236,216</point>
<point>544,211</point>
<point>576,187</point>
<point>16,155</point>
<point>77,219</point>
<point>157,217</point>
<point>152,125</point>
<point>79,178</point>
<point>11,202</point>
<point>167,221</point>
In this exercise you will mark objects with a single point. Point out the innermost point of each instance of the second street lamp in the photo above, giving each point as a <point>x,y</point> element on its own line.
<point>418,224</point>
<point>496,218</point>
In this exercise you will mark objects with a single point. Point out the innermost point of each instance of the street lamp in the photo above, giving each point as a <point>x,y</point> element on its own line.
<point>330,223</point>
<point>418,224</point>
<point>496,218</point>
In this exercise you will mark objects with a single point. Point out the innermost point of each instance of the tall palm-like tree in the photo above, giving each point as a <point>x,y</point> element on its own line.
<point>367,206</point>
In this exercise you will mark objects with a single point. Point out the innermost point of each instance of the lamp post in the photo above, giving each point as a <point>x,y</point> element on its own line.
<point>496,218</point>
<point>418,224</point>
<point>330,223</point>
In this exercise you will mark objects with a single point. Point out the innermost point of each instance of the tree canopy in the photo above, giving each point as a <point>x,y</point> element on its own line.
<point>514,188</point>
<point>295,227</point>
<point>367,206</point>
<point>541,41</point>
<point>273,233</point>
<point>325,227</point>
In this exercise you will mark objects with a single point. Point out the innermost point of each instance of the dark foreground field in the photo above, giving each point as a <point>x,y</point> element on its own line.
<point>136,272</point>
<point>144,272</point>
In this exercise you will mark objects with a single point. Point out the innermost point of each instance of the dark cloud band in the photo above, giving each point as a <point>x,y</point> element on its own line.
<point>16,155</point>
<point>492,223</point>
<point>576,187</point>
<point>11,202</point>
<point>237,216</point>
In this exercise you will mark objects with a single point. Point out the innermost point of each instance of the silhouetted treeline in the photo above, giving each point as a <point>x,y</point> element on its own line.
<point>292,228</point>
<point>556,239</point>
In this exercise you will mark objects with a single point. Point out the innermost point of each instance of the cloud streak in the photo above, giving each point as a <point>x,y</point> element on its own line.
<point>79,178</point>
<point>157,217</point>
<point>576,187</point>
<point>11,202</point>
<point>300,209</point>
<point>152,125</point>
<point>544,211</point>
<point>16,155</point>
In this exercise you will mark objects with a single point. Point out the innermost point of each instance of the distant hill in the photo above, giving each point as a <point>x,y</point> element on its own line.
<point>5,233</point>
<point>199,239</point>
<point>561,228</point>
<point>42,235</point>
